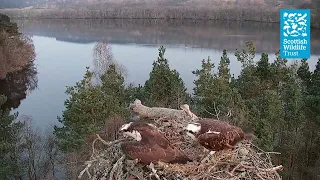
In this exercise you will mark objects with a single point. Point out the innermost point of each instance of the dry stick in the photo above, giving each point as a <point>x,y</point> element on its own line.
<point>277,168</point>
<point>115,167</point>
<point>260,176</point>
<point>93,149</point>
<point>235,168</point>
<point>154,171</point>
<point>86,170</point>
<point>109,143</point>
<point>269,158</point>
<point>269,153</point>
<point>217,110</point>
<point>209,112</point>
<point>134,174</point>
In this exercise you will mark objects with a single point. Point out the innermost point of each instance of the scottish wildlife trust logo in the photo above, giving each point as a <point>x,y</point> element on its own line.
<point>295,33</point>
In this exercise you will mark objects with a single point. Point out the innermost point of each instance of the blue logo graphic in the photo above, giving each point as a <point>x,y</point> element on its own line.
<point>295,33</point>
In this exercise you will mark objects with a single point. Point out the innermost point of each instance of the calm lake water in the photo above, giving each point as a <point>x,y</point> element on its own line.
<point>65,47</point>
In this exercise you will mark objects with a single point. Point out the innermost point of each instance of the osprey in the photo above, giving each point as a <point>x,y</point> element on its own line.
<point>150,145</point>
<point>215,135</point>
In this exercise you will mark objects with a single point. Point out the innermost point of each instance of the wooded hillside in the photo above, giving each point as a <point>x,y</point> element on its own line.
<point>244,10</point>
<point>102,3</point>
<point>16,50</point>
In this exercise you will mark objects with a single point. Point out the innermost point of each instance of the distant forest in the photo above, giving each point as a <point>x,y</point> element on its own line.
<point>237,10</point>
<point>100,3</point>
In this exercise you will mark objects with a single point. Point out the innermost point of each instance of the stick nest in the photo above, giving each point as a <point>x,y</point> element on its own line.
<point>245,162</point>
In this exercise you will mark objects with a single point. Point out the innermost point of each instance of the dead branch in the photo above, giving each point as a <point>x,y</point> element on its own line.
<point>277,168</point>
<point>109,143</point>
<point>229,114</point>
<point>217,110</point>
<point>86,169</point>
<point>160,112</point>
<point>209,112</point>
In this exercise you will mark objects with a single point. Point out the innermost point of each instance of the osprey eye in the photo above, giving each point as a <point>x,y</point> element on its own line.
<point>190,131</point>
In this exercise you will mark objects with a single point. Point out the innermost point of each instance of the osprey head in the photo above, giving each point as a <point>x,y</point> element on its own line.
<point>128,131</point>
<point>136,129</point>
<point>192,129</point>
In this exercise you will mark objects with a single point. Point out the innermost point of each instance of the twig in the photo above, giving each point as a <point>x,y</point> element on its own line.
<point>154,171</point>
<point>109,143</point>
<point>89,163</point>
<point>217,110</point>
<point>229,114</point>
<point>277,168</point>
<point>260,176</point>
<point>269,153</point>
<point>235,168</point>
<point>93,149</point>
<point>115,167</point>
<point>209,112</point>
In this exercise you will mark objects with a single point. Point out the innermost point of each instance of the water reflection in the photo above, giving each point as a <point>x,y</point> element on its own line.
<point>17,85</point>
<point>197,34</point>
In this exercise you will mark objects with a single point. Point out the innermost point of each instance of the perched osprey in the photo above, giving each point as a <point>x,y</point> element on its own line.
<point>215,135</point>
<point>150,145</point>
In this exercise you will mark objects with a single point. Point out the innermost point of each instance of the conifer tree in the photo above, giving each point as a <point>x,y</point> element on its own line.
<point>203,90</point>
<point>215,95</point>
<point>164,88</point>
<point>246,57</point>
<point>304,73</point>
<point>89,106</point>
<point>294,118</point>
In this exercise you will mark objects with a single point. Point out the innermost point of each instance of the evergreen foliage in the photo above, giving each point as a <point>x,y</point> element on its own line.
<point>9,138</point>
<point>89,107</point>
<point>215,93</point>
<point>164,88</point>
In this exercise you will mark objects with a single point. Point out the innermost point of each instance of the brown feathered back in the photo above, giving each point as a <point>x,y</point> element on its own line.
<point>218,135</point>
<point>153,147</point>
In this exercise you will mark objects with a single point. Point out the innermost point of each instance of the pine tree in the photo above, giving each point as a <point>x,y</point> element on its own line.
<point>294,119</point>
<point>246,57</point>
<point>310,152</point>
<point>132,93</point>
<point>261,98</point>
<point>314,94</point>
<point>263,67</point>
<point>89,107</point>
<point>216,95</point>
<point>164,88</point>
<point>203,90</point>
<point>304,73</point>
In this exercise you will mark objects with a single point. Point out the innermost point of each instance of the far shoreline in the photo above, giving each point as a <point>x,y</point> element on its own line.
<point>170,13</point>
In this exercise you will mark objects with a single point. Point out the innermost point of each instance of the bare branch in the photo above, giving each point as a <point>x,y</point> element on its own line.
<point>109,143</point>
<point>217,110</point>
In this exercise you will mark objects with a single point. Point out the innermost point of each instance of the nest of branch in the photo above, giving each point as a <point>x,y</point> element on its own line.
<point>245,162</point>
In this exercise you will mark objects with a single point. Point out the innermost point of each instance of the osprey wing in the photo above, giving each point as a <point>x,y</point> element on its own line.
<point>145,153</point>
<point>212,124</point>
<point>220,136</point>
<point>213,141</point>
<point>173,154</point>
